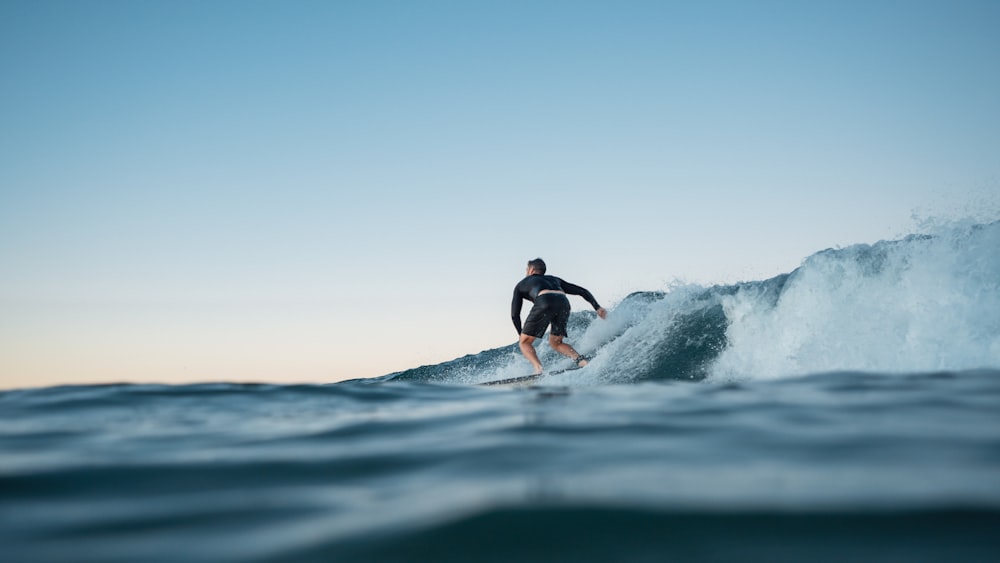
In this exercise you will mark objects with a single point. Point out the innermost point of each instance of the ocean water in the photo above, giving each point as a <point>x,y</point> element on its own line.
<point>846,411</point>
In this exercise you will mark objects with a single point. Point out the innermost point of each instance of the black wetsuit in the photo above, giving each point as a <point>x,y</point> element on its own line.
<point>549,308</point>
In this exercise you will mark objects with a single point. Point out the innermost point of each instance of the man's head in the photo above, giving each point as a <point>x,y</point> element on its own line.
<point>537,265</point>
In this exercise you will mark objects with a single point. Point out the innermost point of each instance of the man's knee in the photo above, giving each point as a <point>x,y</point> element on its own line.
<point>555,341</point>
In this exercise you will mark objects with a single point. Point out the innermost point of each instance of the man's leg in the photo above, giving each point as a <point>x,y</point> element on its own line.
<point>565,349</point>
<point>528,349</point>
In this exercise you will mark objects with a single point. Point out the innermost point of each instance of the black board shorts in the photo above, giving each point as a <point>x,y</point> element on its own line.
<point>549,308</point>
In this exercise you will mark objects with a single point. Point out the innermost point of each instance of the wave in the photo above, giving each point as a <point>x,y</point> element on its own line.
<point>924,303</point>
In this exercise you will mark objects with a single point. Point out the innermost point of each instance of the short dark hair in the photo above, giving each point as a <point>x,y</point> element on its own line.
<point>537,264</point>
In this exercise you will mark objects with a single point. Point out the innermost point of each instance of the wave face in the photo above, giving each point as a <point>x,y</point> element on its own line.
<point>920,304</point>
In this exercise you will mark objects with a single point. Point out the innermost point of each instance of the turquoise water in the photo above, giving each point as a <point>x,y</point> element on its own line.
<point>847,411</point>
<point>823,468</point>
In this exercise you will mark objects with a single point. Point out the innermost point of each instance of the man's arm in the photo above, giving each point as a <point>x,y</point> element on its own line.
<point>572,289</point>
<point>515,310</point>
<point>577,290</point>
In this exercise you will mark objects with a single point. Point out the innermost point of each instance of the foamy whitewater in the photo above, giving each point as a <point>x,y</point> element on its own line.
<point>846,411</point>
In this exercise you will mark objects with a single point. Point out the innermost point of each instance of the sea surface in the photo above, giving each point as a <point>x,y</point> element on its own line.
<point>846,411</point>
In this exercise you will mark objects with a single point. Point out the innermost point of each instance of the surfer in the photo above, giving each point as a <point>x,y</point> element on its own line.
<point>550,307</point>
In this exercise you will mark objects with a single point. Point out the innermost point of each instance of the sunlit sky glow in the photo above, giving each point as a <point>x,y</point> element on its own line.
<point>316,191</point>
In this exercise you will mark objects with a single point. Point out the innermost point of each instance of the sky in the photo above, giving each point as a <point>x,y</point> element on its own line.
<point>304,191</point>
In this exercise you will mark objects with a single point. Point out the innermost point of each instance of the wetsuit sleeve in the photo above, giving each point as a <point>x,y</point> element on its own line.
<point>515,310</point>
<point>577,290</point>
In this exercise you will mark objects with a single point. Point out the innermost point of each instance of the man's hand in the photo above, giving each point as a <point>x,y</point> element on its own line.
<point>602,312</point>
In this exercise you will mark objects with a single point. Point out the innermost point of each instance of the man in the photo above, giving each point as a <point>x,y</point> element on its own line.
<point>551,306</point>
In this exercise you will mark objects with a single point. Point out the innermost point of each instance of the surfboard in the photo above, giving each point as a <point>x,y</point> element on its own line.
<point>529,378</point>
<point>513,380</point>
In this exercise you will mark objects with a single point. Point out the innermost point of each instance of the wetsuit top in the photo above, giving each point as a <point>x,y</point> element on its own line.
<point>529,287</point>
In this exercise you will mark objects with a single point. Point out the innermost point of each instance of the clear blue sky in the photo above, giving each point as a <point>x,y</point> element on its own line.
<point>314,191</point>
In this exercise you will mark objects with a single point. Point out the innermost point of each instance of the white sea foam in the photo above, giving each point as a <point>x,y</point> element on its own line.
<point>924,303</point>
